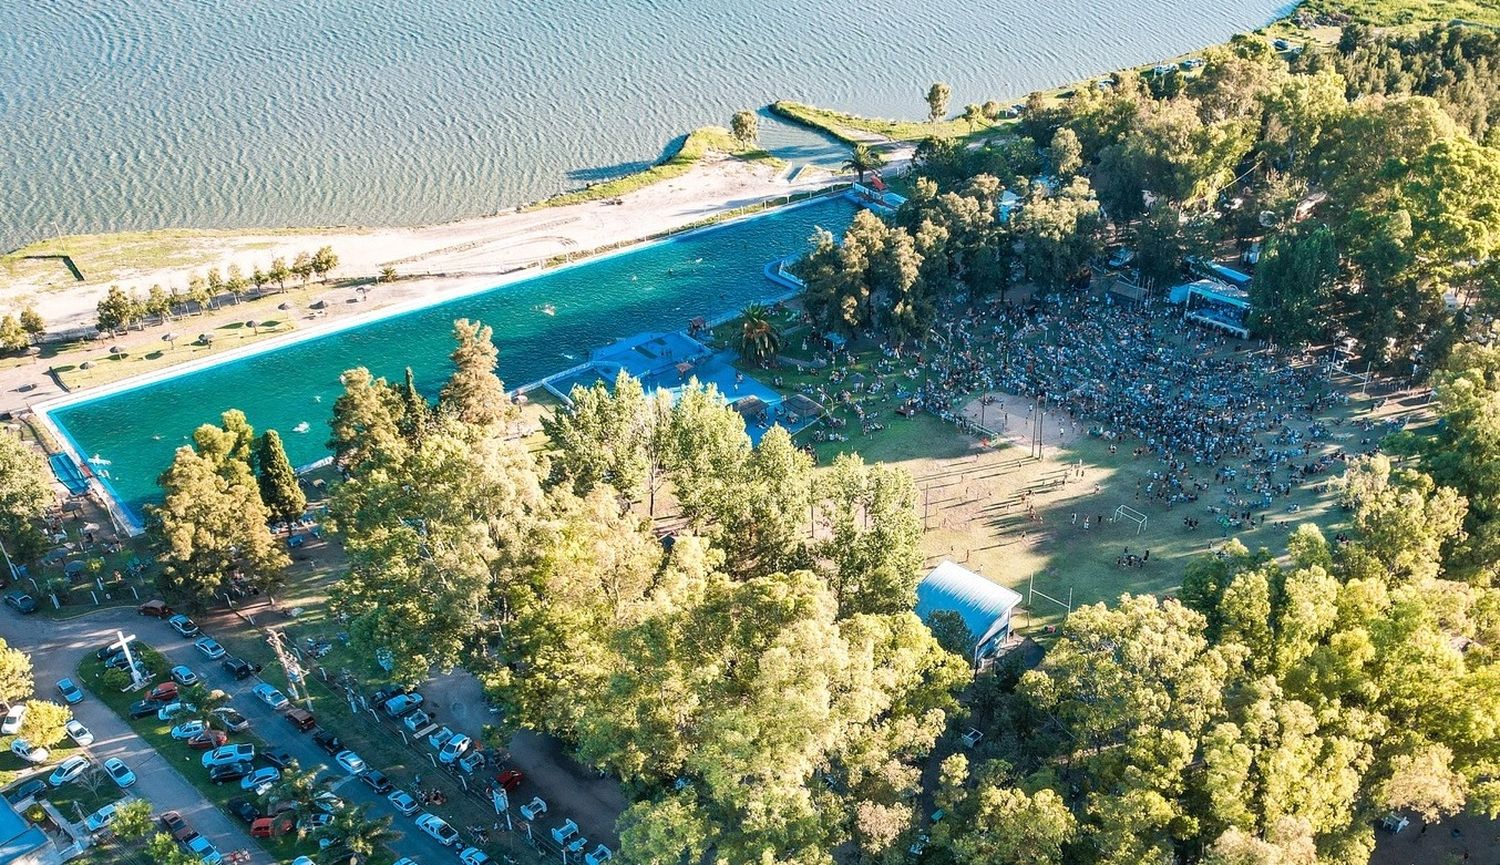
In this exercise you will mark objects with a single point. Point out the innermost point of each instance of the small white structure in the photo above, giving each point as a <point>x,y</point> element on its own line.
<point>985,606</point>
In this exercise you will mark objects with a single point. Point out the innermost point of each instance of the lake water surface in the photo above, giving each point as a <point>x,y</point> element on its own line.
<point>127,114</point>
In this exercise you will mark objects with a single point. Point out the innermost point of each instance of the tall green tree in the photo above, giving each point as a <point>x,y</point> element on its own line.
<point>12,335</point>
<point>759,338</point>
<point>16,683</point>
<point>279,488</point>
<point>474,393</point>
<point>745,128</point>
<point>862,160</point>
<point>1294,284</point>
<point>115,311</point>
<point>937,101</point>
<point>32,323</point>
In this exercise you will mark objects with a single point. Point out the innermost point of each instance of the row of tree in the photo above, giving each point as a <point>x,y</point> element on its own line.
<point>119,310</point>
<point>19,331</point>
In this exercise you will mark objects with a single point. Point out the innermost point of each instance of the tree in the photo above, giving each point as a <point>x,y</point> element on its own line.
<point>873,552</point>
<point>745,127</point>
<point>115,311</point>
<point>32,323</point>
<point>236,283</point>
<point>258,278</point>
<point>759,338</point>
<point>300,789</point>
<point>12,335</point>
<point>25,486</point>
<point>1059,232</point>
<point>324,261</point>
<point>937,101</point>
<point>279,272</point>
<point>45,723</point>
<point>387,274</point>
<point>159,303</point>
<point>1011,826</point>
<point>474,393</point>
<point>366,419</point>
<point>199,294</point>
<point>302,267</point>
<point>974,116</point>
<point>862,159</point>
<point>602,437</point>
<point>279,488</point>
<point>356,835</point>
<point>16,682</point>
<point>1294,283</point>
<point>211,525</point>
<point>952,633</point>
<point>163,849</point>
<point>133,819</point>
<point>1066,153</point>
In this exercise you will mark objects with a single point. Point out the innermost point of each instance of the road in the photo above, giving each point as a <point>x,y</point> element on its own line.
<point>56,648</point>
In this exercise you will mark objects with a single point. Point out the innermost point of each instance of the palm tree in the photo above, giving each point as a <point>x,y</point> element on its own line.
<point>299,789</point>
<point>759,339</point>
<point>355,836</point>
<point>863,158</point>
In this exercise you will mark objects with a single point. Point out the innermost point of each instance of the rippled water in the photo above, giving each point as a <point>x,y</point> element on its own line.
<point>121,114</point>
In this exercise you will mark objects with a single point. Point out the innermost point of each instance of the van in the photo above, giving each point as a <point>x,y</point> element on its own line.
<point>302,719</point>
<point>157,608</point>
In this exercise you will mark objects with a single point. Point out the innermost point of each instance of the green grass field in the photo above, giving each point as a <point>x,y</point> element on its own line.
<point>1401,13</point>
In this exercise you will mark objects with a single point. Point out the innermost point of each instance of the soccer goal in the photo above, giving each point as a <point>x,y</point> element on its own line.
<point>1129,513</point>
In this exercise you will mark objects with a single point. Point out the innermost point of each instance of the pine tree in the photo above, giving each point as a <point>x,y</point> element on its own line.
<point>278,482</point>
<point>474,394</point>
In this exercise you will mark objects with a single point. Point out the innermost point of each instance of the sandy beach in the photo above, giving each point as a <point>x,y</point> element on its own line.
<point>431,261</point>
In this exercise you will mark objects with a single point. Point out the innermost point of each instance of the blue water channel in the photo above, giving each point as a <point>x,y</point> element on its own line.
<point>543,325</point>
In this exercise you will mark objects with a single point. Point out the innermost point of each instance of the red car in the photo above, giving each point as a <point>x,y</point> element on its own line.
<point>166,691</point>
<point>208,739</point>
<point>510,779</point>
<point>177,827</point>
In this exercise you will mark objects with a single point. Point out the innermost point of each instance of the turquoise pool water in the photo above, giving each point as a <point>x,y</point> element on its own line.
<point>657,287</point>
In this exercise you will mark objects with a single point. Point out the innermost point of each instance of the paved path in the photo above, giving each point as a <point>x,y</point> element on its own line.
<point>55,648</point>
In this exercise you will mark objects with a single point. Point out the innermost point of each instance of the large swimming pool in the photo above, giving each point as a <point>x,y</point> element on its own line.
<point>543,325</point>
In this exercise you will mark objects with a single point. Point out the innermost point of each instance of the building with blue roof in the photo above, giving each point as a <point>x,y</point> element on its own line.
<point>22,843</point>
<point>984,605</point>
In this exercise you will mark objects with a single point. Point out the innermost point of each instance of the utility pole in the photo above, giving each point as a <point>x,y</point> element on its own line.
<point>289,664</point>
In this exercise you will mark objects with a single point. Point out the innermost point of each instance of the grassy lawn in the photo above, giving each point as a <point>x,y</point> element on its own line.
<point>1397,13</point>
<point>695,146</point>
<point>78,800</point>
<point>146,352</point>
<point>158,734</point>
<point>854,129</point>
<point>106,257</point>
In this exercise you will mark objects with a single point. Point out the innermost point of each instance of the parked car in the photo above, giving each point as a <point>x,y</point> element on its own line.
<point>71,693</point>
<point>473,856</point>
<point>599,855</point>
<point>261,779</point>
<point>183,675</point>
<point>183,625</point>
<point>100,819</point>
<point>510,779</point>
<point>237,667</point>
<point>438,738</point>
<point>79,733</point>
<point>243,809</point>
<point>223,773</point>
<point>166,692</point>
<point>386,692</point>
<point>21,603</point>
<point>564,833</point>
<point>454,748</point>
<point>438,829</point>
<point>377,781</point>
<point>26,751</point>
<point>403,802</point>
<point>13,718</point>
<point>278,757</point>
<point>205,850</point>
<point>173,709</point>
<point>350,762</point>
<point>240,752</point>
<point>211,649</point>
<point>417,720</point>
<point>175,826</point>
<point>157,608</point>
<point>534,809</point>
<point>33,788</point>
<point>208,740</point>
<point>403,703</point>
<point>119,772</point>
<point>145,708</point>
<point>233,721</point>
<point>302,719</point>
<point>188,730</point>
<point>68,770</point>
<point>270,696</point>
<point>330,743</point>
<point>114,648</point>
<point>328,802</point>
<point>471,761</point>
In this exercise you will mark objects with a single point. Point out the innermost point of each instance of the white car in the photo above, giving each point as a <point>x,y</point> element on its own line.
<point>23,749</point>
<point>12,723</point>
<point>172,710</point>
<point>534,809</point>
<point>402,802</point>
<point>79,733</point>
<point>68,770</point>
<point>438,829</point>
<point>188,730</point>
<point>406,860</point>
<point>270,696</point>
<point>120,772</point>
<point>350,762</point>
<point>99,819</point>
<point>454,748</point>
<point>599,855</point>
<point>205,850</point>
<point>473,856</point>
<point>261,779</point>
<point>210,648</point>
<point>565,833</point>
